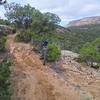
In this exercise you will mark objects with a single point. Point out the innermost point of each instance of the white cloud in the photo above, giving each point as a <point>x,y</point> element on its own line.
<point>2,12</point>
<point>66,9</point>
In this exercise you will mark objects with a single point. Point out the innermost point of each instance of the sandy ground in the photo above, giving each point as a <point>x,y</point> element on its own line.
<point>30,80</point>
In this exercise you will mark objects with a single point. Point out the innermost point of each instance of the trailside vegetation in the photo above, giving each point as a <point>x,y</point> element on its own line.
<point>54,52</point>
<point>3,38</point>
<point>2,43</point>
<point>5,93</point>
<point>90,53</point>
<point>33,25</point>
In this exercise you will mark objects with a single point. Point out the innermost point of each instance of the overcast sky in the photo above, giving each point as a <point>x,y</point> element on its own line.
<point>67,10</point>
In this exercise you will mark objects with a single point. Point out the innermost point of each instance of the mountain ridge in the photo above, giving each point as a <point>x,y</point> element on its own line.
<point>84,21</point>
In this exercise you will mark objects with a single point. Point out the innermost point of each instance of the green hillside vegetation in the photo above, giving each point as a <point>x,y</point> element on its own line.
<point>90,53</point>
<point>2,43</point>
<point>83,34</point>
<point>5,64</point>
<point>3,38</point>
<point>4,69</point>
<point>5,93</point>
<point>4,22</point>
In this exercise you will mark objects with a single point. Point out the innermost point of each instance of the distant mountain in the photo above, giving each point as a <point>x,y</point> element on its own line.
<point>84,21</point>
<point>79,32</point>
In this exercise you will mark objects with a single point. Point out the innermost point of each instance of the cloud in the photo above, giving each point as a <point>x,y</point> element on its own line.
<point>66,9</point>
<point>2,12</point>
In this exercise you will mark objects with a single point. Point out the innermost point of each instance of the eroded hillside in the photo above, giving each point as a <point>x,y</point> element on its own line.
<point>63,80</point>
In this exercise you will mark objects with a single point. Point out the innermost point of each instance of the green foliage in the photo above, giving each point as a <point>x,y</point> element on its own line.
<point>90,52</point>
<point>79,35</point>
<point>54,52</point>
<point>87,51</point>
<point>98,64</point>
<point>74,38</point>
<point>4,22</point>
<point>23,36</point>
<point>28,17</point>
<point>21,15</point>
<point>52,18</point>
<point>2,43</point>
<point>44,23</point>
<point>84,97</point>
<point>4,79</point>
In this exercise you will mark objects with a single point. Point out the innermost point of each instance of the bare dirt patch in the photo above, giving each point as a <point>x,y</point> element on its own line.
<point>33,81</point>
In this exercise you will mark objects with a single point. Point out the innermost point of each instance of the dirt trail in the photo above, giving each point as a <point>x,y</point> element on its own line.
<point>33,81</point>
